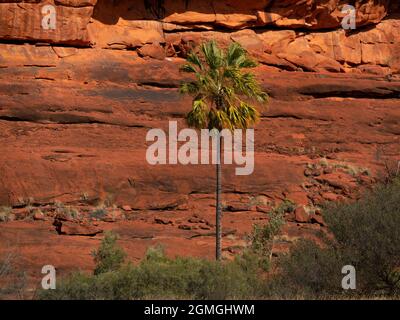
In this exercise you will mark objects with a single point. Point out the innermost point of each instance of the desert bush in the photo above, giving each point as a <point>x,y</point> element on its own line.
<point>99,213</point>
<point>114,285</point>
<point>365,235</point>
<point>307,272</point>
<point>12,279</point>
<point>69,212</point>
<point>286,206</point>
<point>196,278</point>
<point>161,276</point>
<point>263,235</point>
<point>109,256</point>
<point>158,276</point>
<point>238,279</point>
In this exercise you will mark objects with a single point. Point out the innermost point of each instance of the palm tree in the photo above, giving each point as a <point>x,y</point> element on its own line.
<point>222,90</point>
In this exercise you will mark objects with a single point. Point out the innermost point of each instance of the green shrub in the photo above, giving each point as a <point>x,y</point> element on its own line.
<point>99,213</point>
<point>263,236</point>
<point>161,276</point>
<point>365,235</point>
<point>285,206</point>
<point>13,280</point>
<point>158,276</point>
<point>307,272</point>
<point>183,277</point>
<point>229,280</point>
<point>109,256</point>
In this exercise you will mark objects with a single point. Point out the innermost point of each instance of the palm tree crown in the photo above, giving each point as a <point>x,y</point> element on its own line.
<point>222,88</point>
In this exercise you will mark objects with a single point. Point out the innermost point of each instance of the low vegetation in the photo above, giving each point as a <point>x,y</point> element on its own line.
<point>67,211</point>
<point>157,276</point>
<point>5,214</point>
<point>109,257</point>
<point>13,280</point>
<point>351,169</point>
<point>263,236</point>
<point>363,234</point>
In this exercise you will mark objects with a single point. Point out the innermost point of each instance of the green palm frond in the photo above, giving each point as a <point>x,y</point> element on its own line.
<point>189,88</point>
<point>247,63</point>
<point>197,117</point>
<point>194,59</point>
<point>235,51</point>
<point>213,55</point>
<point>248,113</point>
<point>237,57</point>
<point>232,73</point>
<point>189,68</point>
<point>246,84</point>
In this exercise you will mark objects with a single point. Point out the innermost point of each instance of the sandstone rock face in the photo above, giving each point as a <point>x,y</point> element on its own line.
<point>132,23</point>
<point>233,14</point>
<point>59,21</point>
<point>165,28</point>
<point>372,51</point>
<point>75,122</point>
<point>321,14</point>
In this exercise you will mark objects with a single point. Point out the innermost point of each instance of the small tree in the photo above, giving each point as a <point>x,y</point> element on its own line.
<point>109,256</point>
<point>222,93</point>
<point>263,236</point>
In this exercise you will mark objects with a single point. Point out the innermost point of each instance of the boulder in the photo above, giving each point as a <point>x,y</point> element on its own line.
<point>154,51</point>
<point>249,40</point>
<point>125,33</point>
<point>71,228</point>
<point>38,216</point>
<point>301,215</point>
<point>126,208</point>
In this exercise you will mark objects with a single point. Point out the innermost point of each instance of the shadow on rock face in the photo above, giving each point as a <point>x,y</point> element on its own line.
<point>233,14</point>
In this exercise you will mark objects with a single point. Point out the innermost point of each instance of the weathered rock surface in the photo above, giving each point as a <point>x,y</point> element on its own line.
<point>78,125</point>
<point>373,51</point>
<point>65,22</point>
<point>159,28</point>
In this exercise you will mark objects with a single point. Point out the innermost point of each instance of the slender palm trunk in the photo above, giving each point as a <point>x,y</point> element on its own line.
<point>218,214</point>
